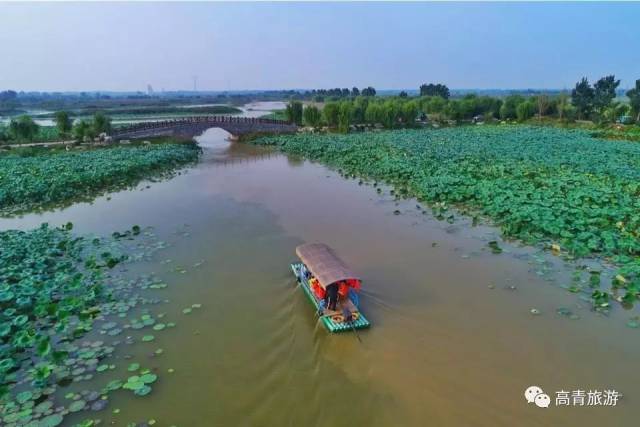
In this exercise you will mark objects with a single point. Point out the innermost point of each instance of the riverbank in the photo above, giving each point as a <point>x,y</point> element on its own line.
<point>563,189</point>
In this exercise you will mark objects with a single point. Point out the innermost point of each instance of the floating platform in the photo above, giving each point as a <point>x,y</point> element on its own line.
<point>328,316</point>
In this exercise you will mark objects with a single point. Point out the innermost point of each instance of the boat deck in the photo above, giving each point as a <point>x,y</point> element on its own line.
<point>326,318</point>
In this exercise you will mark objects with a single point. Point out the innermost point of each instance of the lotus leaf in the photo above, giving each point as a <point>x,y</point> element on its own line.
<point>30,182</point>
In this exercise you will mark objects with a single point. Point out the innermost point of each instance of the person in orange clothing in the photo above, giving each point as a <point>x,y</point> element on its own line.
<point>343,289</point>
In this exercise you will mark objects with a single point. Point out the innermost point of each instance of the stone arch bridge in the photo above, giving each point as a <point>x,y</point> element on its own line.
<point>189,127</point>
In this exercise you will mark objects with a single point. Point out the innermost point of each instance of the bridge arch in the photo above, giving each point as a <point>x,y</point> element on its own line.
<point>189,127</point>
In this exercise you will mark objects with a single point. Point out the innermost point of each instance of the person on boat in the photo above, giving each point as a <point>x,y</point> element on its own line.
<point>343,289</point>
<point>347,314</point>
<point>331,297</point>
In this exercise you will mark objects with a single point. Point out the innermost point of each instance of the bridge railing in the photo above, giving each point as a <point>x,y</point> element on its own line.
<point>195,119</point>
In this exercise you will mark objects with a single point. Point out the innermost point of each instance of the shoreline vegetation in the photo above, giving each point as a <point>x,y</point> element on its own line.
<point>564,189</point>
<point>32,179</point>
<point>88,123</point>
<point>598,106</point>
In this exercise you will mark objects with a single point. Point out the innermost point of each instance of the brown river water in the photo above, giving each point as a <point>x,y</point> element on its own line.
<point>453,341</point>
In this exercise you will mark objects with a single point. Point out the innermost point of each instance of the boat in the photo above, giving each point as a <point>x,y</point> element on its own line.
<point>321,273</point>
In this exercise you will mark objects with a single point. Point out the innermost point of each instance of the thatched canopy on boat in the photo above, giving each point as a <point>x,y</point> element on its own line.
<point>324,264</point>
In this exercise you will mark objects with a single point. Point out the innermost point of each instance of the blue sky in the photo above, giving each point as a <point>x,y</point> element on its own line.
<point>125,46</point>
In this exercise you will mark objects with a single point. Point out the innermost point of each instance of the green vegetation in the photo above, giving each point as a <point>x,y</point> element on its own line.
<point>345,108</point>
<point>276,115</point>
<point>540,185</point>
<point>387,112</point>
<point>22,129</point>
<point>25,130</point>
<point>322,95</point>
<point>634,100</point>
<point>597,102</point>
<point>434,90</point>
<point>628,134</point>
<point>312,115</point>
<point>52,177</point>
<point>56,288</point>
<point>43,287</point>
<point>63,123</point>
<point>293,112</point>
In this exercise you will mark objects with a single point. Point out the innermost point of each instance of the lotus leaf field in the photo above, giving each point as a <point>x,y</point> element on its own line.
<point>560,188</point>
<point>54,177</point>
<point>58,293</point>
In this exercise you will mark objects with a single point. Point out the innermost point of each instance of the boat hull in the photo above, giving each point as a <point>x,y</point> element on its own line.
<point>331,326</point>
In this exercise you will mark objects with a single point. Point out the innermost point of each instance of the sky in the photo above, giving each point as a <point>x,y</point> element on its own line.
<point>234,46</point>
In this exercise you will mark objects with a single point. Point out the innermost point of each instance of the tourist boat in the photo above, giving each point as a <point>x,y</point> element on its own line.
<point>320,274</point>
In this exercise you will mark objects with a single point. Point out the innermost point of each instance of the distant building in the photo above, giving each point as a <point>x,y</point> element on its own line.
<point>149,90</point>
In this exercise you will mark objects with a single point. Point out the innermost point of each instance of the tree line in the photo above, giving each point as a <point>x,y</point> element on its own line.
<point>389,112</point>
<point>321,95</point>
<point>25,129</point>
<point>585,102</point>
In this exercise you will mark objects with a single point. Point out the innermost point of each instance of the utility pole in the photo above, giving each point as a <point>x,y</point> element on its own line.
<point>195,83</point>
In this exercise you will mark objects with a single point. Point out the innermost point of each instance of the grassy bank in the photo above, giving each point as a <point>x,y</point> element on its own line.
<point>36,179</point>
<point>540,185</point>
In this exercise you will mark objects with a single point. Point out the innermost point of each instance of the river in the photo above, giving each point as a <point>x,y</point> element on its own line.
<point>453,338</point>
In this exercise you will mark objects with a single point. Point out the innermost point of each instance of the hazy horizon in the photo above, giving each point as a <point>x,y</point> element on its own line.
<point>122,47</point>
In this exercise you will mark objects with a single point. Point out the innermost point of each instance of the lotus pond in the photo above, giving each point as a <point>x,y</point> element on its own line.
<point>58,293</point>
<point>45,178</point>
<point>190,315</point>
<point>562,189</point>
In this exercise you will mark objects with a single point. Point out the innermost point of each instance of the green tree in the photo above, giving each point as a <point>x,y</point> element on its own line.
<point>435,90</point>
<point>614,111</point>
<point>368,91</point>
<point>542,103</point>
<point>391,113</point>
<point>311,115</point>
<point>63,122</point>
<point>360,105</point>
<point>634,100</point>
<point>23,129</point>
<point>562,102</point>
<point>508,108</point>
<point>101,123</point>
<point>82,129</point>
<point>453,109</point>
<point>344,117</point>
<point>582,98</point>
<point>433,104</point>
<point>604,92</point>
<point>409,112</point>
<point>374,113</point>
<point>330,113</point>
<point>525,110</point>
<point>403,94</point>
<point>293,112</point>
<point>355,92</point>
